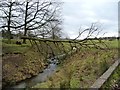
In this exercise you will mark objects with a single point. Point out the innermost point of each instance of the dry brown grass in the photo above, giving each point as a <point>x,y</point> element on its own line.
<point>82,69</point>
<point>21,66</point>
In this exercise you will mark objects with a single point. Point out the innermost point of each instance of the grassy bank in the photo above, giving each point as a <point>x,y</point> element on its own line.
<point>77,70</point>
<point>19,62</point>
<point>114,81</point>
<point>24,61</point>
<point>83,68</point>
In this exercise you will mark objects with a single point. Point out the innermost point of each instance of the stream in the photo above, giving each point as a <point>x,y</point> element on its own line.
<point>41,77</point>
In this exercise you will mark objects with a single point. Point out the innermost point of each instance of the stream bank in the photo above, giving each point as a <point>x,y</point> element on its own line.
<point>41,77</point>
<point>18,67</point>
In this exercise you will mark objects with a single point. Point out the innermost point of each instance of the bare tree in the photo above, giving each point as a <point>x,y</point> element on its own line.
<point>51,30</point>
<point>91,34</point>
<point>8,16</point>
<point>37,14</point>
<point>31,15</point>
<point>55,29</point>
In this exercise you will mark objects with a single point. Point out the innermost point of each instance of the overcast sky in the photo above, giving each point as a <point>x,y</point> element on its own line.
<point>81,13</point>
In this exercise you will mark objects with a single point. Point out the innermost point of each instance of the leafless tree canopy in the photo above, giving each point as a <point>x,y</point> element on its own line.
<point>30,15</point>
<point>8,15</point>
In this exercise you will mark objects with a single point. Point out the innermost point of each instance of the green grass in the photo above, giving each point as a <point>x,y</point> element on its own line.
<point>21,66</point>
<point>57,49</point>
<point>13,47</point>
<point>28,59</point>
<point>82,69</point>
<point>20,62</point>
<point>113,80</point>
<point>109,43</point>
<point>78,70</point>
<point>113,44</point>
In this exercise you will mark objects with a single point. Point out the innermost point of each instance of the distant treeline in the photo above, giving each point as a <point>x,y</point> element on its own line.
<point>104,38</point>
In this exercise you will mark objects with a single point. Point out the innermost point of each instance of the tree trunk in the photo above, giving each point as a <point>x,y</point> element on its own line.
<point>25,27</point>
<point>53,34</point>
<point>9,21</point>
<point>25,32</point>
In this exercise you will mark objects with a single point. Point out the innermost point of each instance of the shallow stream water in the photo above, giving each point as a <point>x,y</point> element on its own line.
<point>41,77</point>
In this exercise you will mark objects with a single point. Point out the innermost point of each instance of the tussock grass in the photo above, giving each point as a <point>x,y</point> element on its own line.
<point>78,70</point>
<point>83,68</point>
<point>114,80</point>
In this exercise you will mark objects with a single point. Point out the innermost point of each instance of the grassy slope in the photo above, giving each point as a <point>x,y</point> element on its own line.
<point>30,62</point>
<point>13,48</point>
<point>114,80</point>
<point>82,68</point>
<point>20,62</point>
<point>23,61</point>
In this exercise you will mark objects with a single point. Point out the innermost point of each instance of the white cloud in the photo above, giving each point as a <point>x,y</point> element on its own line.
<point>111,34</point>
<point>88,12</point>
<point>78,13</point>
<point>90,1</point>
<point>105,21</point>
